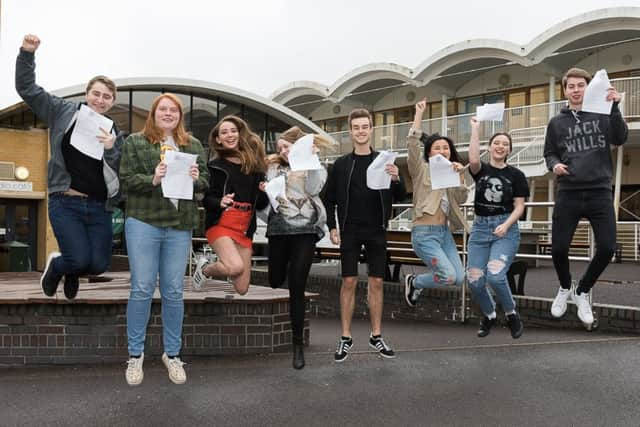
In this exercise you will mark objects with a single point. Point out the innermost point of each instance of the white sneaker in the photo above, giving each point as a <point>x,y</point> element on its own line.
<point>198,275</point>
<point>559,306</point>
<point>585,314</point>
<point>175,368</point>
<point>134,374</point>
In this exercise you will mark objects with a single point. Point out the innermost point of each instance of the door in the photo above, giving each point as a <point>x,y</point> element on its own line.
<point>18,221</point>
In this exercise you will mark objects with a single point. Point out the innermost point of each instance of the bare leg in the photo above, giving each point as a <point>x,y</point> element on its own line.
<point>241,281</point>
<point>347,303</point>
<point>376,297</point>
<point>230,263</point>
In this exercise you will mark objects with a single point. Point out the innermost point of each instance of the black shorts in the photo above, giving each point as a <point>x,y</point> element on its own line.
<point>375,247</point>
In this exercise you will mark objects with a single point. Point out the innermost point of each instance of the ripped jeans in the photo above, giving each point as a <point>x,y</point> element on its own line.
<point>434,244</point>
<point>490,257</point>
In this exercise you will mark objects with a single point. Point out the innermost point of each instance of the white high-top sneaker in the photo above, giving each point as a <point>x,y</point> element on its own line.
<point>559,306</point>
<point>585,314</point>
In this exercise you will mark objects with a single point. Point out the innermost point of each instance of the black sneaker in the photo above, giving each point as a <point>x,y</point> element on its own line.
<point>298,356</point>
<point>49,281</point>
<point>515,324</point>
<point>411,294</point>
<point>485,326</point>
<point>342,352</point>
<point>71,285</point>
<point>378,343</point>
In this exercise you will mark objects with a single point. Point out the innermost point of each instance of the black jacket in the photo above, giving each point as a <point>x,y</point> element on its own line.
<point>337,192</point>
<point>218,177</point>
<point>582,141</point>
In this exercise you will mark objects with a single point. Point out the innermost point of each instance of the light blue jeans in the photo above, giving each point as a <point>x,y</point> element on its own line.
<point>156,251</point>
<point>434,244</point>
<point>489,260</point>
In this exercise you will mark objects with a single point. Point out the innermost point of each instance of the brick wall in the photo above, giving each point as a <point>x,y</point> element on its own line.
<point>89,333</point>
<point>444,305</point>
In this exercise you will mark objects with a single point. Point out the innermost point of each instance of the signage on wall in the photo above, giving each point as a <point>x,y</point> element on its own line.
<point>16,186</point>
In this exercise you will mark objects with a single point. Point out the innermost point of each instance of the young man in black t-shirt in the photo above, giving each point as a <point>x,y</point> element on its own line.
<point>362,215</point>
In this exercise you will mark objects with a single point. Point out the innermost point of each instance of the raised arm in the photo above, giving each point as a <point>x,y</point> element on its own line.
<point>474,147</point>
<point>42,103</point>
<point>618,128</point>
<point>414,158</point>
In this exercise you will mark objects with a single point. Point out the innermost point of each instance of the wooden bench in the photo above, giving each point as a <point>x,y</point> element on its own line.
<point>400,252</point>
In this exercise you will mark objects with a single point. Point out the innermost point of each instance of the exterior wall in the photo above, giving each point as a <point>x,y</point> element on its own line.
<point>443,305</point>
<point>612,59</point>
<point>97,333</point>
<point>489,82</point>
<point>30,148</point>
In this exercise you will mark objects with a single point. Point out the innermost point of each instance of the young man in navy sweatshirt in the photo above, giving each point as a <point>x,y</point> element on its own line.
<point>577,149</point>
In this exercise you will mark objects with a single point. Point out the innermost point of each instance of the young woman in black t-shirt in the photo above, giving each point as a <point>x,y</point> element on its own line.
<point>501,190</point>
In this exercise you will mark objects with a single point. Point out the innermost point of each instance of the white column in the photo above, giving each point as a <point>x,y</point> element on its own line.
<point>552,93</point>
<point>618,181</point>
<point>444,115</point>
<point>532,195</point>
<point>550,198</point>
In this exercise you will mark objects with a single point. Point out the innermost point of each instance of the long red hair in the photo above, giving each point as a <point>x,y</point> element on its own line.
<point>154,134</point>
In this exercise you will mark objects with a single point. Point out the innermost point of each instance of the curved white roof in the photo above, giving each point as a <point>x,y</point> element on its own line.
<point>201,87</point>
<point>535,52</point>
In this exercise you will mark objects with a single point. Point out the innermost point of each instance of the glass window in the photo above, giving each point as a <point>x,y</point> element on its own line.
<point>404,115</point>
<point>140,105</point>
<point>383,118</point>
<point>228,108</point>
<point>203,118</point>
<point>539,95</point>
<point>119,113</point>
<point>436,109</point>
<point>274,128</point>
<point>494,98</point>
<point>451,107</point>
<point>468,105</point>
<point>256,121</point>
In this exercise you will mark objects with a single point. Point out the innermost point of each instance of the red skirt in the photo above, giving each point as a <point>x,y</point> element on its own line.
<point>233,223</point>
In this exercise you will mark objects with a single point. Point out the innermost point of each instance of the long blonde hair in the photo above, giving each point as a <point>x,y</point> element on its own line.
<point>293,134</point>
<point>154,134</point>
<point>250,148</point>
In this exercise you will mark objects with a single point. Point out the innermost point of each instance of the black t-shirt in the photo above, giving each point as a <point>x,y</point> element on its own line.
<point>496,189</point>
<point>86,172</point>
<point>365,208</point>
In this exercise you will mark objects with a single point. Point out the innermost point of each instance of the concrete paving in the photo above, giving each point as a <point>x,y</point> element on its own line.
<point>443,375</point>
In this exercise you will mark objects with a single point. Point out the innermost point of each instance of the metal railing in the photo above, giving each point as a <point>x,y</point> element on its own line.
<point>529,117</point>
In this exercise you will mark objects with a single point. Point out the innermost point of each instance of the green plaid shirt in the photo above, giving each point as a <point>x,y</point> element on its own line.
<point>144,200</point>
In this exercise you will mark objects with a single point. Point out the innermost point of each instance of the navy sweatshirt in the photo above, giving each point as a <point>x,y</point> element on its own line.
<point>582,141</point>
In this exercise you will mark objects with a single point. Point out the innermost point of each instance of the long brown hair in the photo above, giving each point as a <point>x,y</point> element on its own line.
<point>154,134</point>
<point>293,134</point>
<point>250,148</point>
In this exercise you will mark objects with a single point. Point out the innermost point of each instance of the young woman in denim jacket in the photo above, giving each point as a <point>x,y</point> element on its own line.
<point>434,210</point>
<point>501,190</point>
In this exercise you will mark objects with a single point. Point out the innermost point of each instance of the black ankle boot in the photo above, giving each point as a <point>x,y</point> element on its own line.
<point>298,356</point>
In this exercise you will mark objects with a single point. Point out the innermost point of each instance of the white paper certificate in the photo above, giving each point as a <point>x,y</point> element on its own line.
<point>595,95</point>
<point>377,178</point>
<point>274,189</point>
<point>302,157</point>
<point>86,131</point>
<point>177,183</point>
<point>490,112</point>
<point>442,173</point>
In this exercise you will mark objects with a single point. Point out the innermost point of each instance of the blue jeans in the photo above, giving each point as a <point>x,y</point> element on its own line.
<point>434,244</point>
<point>156,251</point>
<point>83,230</point>
<point>489,260</point>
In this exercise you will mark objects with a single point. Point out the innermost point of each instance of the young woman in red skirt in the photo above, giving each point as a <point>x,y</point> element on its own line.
<point>236,184</point>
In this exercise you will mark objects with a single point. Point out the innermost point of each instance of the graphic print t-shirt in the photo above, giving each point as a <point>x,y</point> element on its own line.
<point>496,189</point>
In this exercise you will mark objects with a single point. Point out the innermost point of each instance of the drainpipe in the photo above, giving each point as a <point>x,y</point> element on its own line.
<point>444,115</point>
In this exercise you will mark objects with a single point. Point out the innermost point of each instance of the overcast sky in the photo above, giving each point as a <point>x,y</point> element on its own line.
<point>257,46</point>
